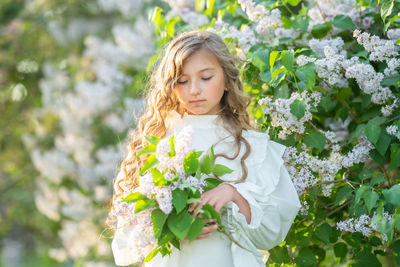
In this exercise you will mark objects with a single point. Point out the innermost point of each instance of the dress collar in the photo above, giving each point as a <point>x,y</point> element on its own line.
<point>175,120</point>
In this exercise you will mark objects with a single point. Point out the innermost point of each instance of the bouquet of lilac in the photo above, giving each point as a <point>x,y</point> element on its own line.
<point>173,177</point>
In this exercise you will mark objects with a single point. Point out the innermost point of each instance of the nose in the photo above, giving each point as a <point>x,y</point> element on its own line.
<point>194,88</point>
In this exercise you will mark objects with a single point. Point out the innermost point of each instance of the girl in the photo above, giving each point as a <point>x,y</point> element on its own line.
<point>197,84</point>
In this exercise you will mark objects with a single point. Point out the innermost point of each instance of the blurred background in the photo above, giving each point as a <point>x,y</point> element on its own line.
<point>71,77</point>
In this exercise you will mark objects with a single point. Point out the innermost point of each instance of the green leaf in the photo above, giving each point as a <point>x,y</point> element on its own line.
<point>396,249</point>
<point>152,254</point>
<point>158,217</point>
<point>207,164</point>
<point>158,177</point>
<point>288,60</point>
<point>279,254</point>
<point>306,74</point>
<point>383,143</point>
<point>150,149</point>
<point>342,195</point>
<point>133,197</point>
<point>343,22</point>
<point>260,59</point>
<point>373,132</point>
<point>315,139</point>
<point>179,224</point>
<point>366,258</point>
<point>212,183</point>
<point>394,156</point>
<point>191,163</point>
<point>293,2</point>
<point>144,204</point>
<point>179,199</point>
<point>210,8</point>
<point>166,236</point>
<point>213,212</point>
<point>370,198</point>
<point>272,57</point>
<point>193,200</point>
<point>306,257</point>
<point>320,30</point>
<point>323,232</point>
<point>172,151</point>
<point>340,250</point>
<point>195,228</point>
<point>220,170</point>
<point>379,178</point>
<point>386,9</point>
<point>157,18</point>
<point>392,195</point>
<point>152,139</point>
<point>298,108</point>
<point>150,162</point>
<point>359,193</point>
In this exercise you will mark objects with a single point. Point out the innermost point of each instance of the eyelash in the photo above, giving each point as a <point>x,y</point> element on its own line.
<point>204,79</point>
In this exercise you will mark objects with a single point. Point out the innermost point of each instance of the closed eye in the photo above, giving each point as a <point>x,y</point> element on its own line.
<point>182,82</point>
<point>206,79</point>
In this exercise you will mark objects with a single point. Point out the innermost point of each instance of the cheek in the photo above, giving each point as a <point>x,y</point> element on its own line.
<point>180,94</point>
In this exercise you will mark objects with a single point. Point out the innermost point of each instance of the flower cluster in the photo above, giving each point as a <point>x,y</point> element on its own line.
<point>362,224</point>
<point>306,170</point>
<point>265,20</point>
<point>279,110</point>
<point>393,130</point>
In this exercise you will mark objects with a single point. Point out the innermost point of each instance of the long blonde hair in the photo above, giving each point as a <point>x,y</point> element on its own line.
<point>162,99</point>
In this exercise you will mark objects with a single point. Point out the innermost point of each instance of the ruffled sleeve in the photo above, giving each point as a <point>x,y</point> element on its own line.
<point>123,252</point>
<point>272,198</point>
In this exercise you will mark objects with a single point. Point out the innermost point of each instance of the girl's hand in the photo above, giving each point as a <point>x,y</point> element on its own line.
<point>217,198</point>
<point>210,226</point>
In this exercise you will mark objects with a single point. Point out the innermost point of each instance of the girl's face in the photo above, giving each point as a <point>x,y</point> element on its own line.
<point>201,85</point>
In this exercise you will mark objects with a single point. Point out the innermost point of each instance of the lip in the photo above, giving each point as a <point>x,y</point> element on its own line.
<point>197,101</point>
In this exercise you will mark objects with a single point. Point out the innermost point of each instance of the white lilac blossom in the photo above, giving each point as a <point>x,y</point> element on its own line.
<point>265,20</point>
<point>370,82</point>
<point>392,130</point>
<point>325,10</point>
<point>307,170</point>
<point>380,49</point>
<point>332,65</point>
<point>186,10</point>
<point>359,153</point>
<point>393,34</point>
<point>362,224</point>
<point>286,33</point>
<point>303,60</point>
<point>339,127</point>
<point>279,110</point>
<point>388,109</point>
<point>392,65</point>
<point>335,44</point>
<point>304,208</point>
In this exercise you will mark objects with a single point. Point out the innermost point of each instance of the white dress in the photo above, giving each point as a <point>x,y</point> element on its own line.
<point>272,198</point>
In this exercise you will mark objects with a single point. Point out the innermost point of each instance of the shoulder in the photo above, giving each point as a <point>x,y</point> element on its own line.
<point>253,135</point>
<point>262,147</point>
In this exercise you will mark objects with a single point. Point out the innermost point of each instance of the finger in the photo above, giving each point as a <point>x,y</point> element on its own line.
<point>208,229</point>
<point>203,236</point>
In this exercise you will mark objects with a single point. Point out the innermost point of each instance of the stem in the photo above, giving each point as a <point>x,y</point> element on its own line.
<point>339,207</point>
<point>392,119</point>
<point>354,115</point>
<point>390,77</point>
<point>297,86</point>
<point>288,9</point>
